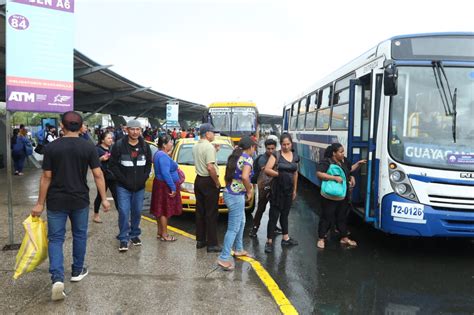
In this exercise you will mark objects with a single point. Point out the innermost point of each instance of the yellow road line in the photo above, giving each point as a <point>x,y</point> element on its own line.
<point>280,298</point>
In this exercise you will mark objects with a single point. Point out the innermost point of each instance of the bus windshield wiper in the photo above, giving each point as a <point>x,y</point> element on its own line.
<point>447,98</point>
<point>437,66</point>
<point>455,113</point>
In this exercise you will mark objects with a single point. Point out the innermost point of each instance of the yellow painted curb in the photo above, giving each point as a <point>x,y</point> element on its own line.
<point>280,298</point>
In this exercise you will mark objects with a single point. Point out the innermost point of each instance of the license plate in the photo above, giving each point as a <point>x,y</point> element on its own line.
<point>402,210</point>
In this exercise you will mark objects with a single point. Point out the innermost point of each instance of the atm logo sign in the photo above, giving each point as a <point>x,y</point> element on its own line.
<point>21,97</point>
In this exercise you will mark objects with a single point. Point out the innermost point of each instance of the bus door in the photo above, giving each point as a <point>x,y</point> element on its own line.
<point>360,144</point>
<point>364,107</point>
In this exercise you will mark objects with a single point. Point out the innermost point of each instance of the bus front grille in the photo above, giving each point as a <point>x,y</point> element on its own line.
<point>452,203</point>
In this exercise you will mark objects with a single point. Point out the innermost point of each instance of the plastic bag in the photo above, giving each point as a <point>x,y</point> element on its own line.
<point>34,248</point>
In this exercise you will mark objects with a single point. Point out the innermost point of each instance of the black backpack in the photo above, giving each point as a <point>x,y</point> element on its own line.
<point>256,170</point>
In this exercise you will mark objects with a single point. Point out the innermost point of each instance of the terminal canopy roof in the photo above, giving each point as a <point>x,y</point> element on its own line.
<point>97,89</point>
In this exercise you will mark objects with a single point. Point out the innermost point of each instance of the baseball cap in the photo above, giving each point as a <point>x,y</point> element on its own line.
<point>134,124</point>
<point>246,142</point>
<point>205,128</point>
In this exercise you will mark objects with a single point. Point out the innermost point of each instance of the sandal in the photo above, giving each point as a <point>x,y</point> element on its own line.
<point>225,265</point>
<point>167,238</point>
<point>243,253</point>
<point>349,242</point>
<point>97,220</point>
<point>321,244</point>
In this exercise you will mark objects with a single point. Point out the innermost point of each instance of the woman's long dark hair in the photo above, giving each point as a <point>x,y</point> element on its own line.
<point>163,140</point>
<point>102,137</point>
<point>244,144</point>
<point>232,165</point>
<point>16,131</point>
<point>334,147</point>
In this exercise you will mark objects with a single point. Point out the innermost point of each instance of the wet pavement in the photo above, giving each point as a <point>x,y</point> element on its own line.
<point>156,278</point>
<point>386,274</point>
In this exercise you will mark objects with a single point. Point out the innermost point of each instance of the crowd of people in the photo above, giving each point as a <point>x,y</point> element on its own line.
<point>121,162</point>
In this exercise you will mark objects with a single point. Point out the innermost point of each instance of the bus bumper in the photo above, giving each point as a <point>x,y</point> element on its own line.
<point>435,222</point>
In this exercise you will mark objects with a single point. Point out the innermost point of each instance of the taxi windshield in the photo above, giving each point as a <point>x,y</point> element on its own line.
<point>185,154</point>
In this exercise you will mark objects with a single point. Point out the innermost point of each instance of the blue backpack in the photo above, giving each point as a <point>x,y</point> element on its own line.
<point>330,189</point>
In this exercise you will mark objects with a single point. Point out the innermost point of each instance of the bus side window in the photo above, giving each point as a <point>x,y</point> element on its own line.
<point>302,113</point>
<point>322,122</point>
<point>293,116</point>
<point>324,113</point>
<point>311,115</point>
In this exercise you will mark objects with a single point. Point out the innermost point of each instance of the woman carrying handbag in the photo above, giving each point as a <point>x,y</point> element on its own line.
<point>334,172</point>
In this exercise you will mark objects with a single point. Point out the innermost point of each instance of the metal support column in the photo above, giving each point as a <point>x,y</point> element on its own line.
<point>10,245</point>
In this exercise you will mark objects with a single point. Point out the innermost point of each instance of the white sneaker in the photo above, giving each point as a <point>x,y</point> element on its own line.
<point>78,276</point>
<point>57,292</point>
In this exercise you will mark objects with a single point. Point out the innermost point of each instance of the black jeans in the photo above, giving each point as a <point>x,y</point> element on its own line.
<point>112,186</point>
<point>207,198</point>
<point>279,212</point>
<point>263,196</point>
<point>333,213</point>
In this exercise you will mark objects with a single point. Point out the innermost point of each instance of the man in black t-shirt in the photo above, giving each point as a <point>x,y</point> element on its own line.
<point>63,186</point>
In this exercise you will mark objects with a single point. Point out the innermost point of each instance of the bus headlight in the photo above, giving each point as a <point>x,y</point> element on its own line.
<point>187,187</point>
<point>400,183</point>
<point>396,176</point>
<point>401,189</point>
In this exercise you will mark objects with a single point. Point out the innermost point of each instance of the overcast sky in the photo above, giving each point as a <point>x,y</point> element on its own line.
<point>264,51</point>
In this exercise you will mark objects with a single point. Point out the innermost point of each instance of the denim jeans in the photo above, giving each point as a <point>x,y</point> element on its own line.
<point>235,226</point>
<point>56,234</point>
<point>19,161</point>
<point>130,211</point>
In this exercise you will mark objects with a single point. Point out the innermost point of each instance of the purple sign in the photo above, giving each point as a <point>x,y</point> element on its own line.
<point>461,159</point>
<point>18,22</point>
<point>61,5</point>
<point>40,99</point>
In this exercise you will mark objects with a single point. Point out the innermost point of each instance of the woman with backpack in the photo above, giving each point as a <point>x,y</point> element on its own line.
<point>335,173</point>
<point>283,167</point>
<point>21,147</point>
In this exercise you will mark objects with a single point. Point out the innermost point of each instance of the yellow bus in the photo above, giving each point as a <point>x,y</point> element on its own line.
<point>233,119</point>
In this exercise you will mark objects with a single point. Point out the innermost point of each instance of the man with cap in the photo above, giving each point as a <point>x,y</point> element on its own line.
<point>206,189</point>
<point>63,186</point>
<point>130,162</point>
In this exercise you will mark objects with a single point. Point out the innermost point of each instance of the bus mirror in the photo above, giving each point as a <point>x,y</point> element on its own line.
<point>390,80</point>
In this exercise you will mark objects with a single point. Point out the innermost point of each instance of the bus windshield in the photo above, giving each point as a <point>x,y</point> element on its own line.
<point>234,120</point>
<point>244,119</point>
<point>421,130</point>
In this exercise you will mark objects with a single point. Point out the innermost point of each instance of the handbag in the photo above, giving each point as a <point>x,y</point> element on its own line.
<point>331,189</point>
<point>28,148</point>
<point>39,148</point>
<point>182,177</point>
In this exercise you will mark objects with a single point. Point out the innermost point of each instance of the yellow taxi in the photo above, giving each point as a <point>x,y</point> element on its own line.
<point>183,155</point>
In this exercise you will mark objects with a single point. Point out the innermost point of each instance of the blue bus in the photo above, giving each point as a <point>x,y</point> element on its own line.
<point>407,106</point>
